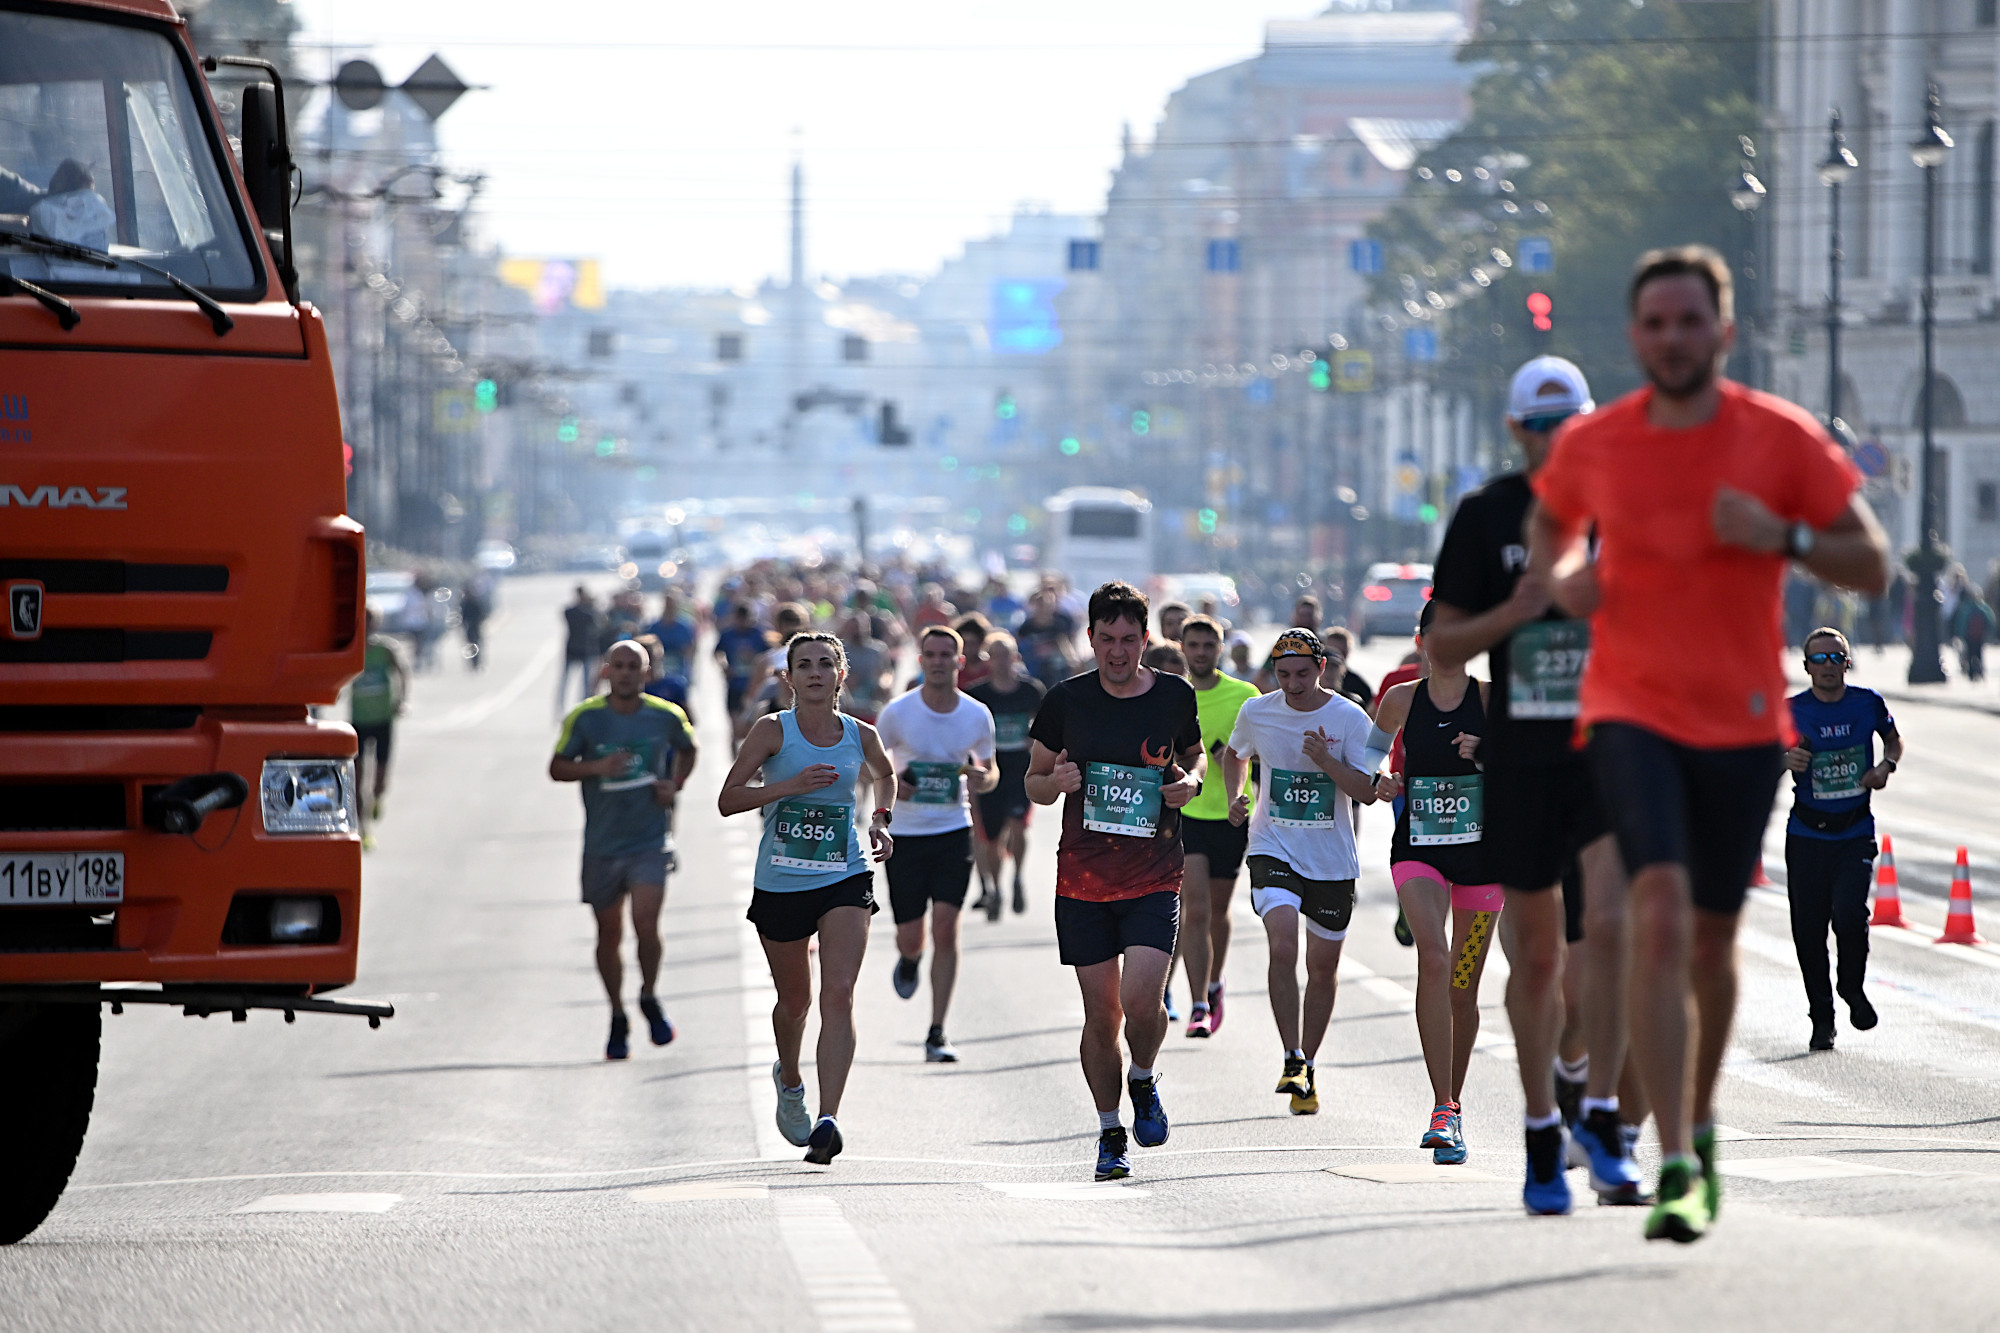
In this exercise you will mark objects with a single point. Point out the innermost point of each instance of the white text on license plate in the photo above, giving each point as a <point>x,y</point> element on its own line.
<point>37,879</point>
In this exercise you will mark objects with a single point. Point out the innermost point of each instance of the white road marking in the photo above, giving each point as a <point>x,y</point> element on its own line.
<point>322,1203</point>
<point>843,1282</point>
<point>1414,1173</point>
<point>471,714</point>
<point>1070,1190</point>
<point>702,1191</point>
<point>1786,1170</point>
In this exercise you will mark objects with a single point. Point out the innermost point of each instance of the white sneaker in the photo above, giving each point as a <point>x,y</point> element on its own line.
<point>794,1122</point>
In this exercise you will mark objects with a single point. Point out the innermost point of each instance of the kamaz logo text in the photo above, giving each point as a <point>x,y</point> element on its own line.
<point>62,497</point>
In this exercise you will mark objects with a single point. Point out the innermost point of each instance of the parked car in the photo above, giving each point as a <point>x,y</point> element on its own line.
<point>393,595</point>
<point>1390,600</point>
<point>494,556</point>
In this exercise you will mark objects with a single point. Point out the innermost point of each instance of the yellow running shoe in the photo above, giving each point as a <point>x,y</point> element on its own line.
<point>1307,1102</point>
<point>1680,1212</point>
<point>1295,1079</point>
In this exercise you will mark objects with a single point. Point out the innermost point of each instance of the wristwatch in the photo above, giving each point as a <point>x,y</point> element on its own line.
<point>886,815</point>
<point>1799,540</point>
<point>1889,764</point>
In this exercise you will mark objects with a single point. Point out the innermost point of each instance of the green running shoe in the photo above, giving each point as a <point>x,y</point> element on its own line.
<point>1711,1179</point>
<point>1679,1213</point>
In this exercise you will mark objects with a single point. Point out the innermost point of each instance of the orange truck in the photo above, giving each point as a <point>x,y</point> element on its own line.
<point>182,580</point>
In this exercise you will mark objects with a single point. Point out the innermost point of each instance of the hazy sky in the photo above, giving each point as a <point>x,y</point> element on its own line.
<point>656,135</point>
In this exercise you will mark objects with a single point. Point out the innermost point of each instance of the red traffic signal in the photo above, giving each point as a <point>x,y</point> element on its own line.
<point>1543,309</point>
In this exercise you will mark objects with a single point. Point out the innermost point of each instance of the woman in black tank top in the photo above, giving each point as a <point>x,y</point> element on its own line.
<point>1438,861</point>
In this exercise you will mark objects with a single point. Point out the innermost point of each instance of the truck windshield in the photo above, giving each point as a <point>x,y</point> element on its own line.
<point>103,143</point>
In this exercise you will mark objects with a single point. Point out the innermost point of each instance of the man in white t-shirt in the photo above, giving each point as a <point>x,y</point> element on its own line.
<point>1303,863</point>
<point>941,741</point>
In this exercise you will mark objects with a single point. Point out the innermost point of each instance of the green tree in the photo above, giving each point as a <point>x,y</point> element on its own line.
<point>1605,126</point>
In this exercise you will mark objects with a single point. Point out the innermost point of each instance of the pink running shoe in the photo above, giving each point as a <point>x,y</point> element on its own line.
<point>1198,1023</point>
<point>1215,1008</point>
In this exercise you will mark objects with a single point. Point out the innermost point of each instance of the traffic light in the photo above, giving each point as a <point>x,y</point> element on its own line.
<point>1142,422</point>
<point>1321,376</point>
<point>1205,520</point>
<point>1004,406</point>
<point>1543,308</point>
<point>893,431</point>
<point>1070,446</point>
<point>486,395</point>
<point>567,431</point>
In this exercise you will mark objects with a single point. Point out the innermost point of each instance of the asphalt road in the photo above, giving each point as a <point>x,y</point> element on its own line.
<point>476,1165</point>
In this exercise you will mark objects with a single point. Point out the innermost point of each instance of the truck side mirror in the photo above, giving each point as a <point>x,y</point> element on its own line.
<point>267,170</point>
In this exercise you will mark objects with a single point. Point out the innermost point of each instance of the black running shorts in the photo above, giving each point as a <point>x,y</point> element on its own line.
<point>1008,799</point>
<point>1222,842</point>
<point>1088,933</point>
<point>935,868</point>
<point>1538,817</point>
<point>1325,905</point>
<point>1674,804</point>
<point>785,917</point>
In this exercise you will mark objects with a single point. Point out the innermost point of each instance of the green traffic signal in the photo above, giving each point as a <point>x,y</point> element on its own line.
<point>1004,408</point>
<point>1205,520</point>
<point>1427,513</point>
<point>1322,378</point>
<point>1142,422</point>
<point>486,395</point>
<point>1071,446</point>
<point>567,431</point>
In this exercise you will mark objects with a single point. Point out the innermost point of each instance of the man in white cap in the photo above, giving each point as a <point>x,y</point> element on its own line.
<point>1542,810</point>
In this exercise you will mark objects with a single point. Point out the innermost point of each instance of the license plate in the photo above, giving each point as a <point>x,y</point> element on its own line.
<point>38,879</point>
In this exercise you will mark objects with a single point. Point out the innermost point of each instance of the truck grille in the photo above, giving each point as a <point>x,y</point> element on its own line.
<point>98,717</point>
<point>116,576</point>
<point>109,645</point>
<point>33,808</point>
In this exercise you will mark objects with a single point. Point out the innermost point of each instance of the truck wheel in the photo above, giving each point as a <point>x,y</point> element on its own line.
<point>49,1052</point>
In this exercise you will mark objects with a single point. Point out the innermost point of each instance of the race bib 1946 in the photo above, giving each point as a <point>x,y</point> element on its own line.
<point>1836,774</point>
<point>1121,799</point>
<point>1301,800</point>
<point>1545,666</point>
<point>1446,810</point>
<point>808,836</point>
<point>936,784</point>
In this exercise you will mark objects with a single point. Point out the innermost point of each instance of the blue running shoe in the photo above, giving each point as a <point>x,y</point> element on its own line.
<point>1452,1151</point>
<point>1113,1163</point>
<point>905,978</point>
<point>1149,1118</point>
<point>824,1144</point>
<point>1173,1010</point>
<point>1547,1192</point>
<point>619,1045</point>
<point>657,1025</point>
<point>1613,1173</point>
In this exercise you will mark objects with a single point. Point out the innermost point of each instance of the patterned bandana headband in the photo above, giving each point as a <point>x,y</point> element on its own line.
<point>1298,643</point>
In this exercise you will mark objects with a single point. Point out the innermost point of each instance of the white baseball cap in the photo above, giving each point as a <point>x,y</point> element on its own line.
<point>1548,386</point>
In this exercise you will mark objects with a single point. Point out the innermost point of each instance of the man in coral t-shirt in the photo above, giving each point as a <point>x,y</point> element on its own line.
<point>1701,490</point>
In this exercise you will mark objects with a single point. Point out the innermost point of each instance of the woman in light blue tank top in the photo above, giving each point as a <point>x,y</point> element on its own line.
<point>812,875</point>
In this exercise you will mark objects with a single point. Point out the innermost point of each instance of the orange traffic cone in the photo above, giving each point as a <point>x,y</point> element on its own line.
<point>1888,894</point>
<point>1958,927</point>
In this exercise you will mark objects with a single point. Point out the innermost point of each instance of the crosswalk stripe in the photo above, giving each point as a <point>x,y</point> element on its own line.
<point>843,1282</point>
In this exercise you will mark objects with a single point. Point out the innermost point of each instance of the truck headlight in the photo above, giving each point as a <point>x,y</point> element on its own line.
<point>309,796</point>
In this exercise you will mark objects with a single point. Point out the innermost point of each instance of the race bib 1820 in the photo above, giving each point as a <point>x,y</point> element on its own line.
<point>809,836</point>
<point>936,784</point>
<point>1446,810</point>
<point>1121,799</point>
<point>1836,774</point>
<point>1545,667</point>
<point>1301,800</point>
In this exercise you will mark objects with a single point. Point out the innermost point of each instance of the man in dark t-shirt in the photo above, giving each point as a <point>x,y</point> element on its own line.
<point>1123,745</point>
<point>1541,799</point>
<point>1013,697</point>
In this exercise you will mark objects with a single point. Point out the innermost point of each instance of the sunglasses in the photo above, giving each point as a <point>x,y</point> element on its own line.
<point>1542,425</point>
<point>1826,659</point>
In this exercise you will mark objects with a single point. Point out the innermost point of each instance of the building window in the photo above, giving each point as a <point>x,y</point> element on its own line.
<point>1989,502</point>
<point>1083,256</point>
<point>603,342</point>
<point>1224,257</point>
<point>728,347</point>
<point>1982,200</point>
<point>1986,13</point>
<point>1947,405</point>
<point>853,347</point>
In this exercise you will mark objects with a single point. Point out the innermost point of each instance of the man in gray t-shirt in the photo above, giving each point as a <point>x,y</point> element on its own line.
<point>631,752</point>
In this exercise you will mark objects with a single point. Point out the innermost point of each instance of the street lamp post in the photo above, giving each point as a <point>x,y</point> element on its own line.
<point>1747,194</point>
<point>1926,662</point>
<point>1833,173</point>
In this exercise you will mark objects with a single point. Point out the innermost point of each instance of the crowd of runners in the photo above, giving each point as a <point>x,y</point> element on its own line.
<point>1597,804</point>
